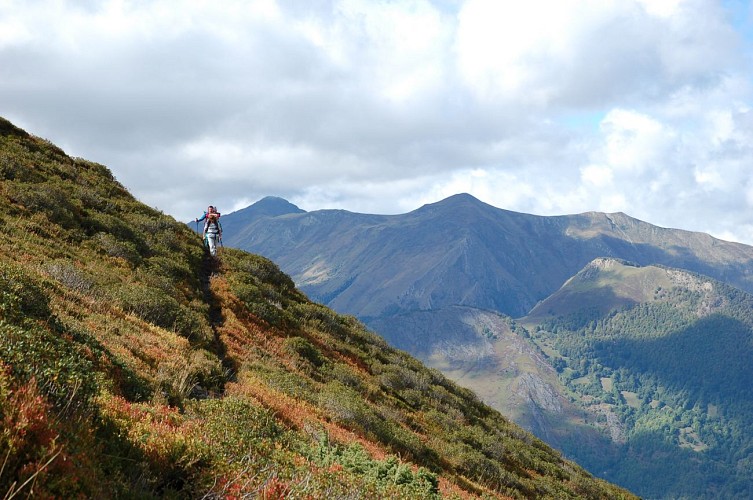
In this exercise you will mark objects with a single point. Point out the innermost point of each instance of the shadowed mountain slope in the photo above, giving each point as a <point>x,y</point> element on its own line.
<point>133,365</point>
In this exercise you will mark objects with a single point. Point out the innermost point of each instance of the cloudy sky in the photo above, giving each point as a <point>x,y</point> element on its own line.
<point>379,106</point>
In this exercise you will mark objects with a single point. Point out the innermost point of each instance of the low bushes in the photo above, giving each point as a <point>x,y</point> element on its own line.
<point>33,344</point>
<point>21,296</point>
<point>69,275</point>
<point>390,476</point>
<point>156,306</point>
<point>304,350</point>
<point>347,407</point>
<point>49,198</point>
<point>38,460</point>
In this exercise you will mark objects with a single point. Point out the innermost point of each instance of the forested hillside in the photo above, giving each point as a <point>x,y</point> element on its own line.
<point>132,365</point>
<point>660,358</point>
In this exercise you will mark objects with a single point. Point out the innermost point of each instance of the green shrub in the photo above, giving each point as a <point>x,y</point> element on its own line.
<point>303,349</point>
<point>283,380</point>
<point>157,307</point>
<point>114,247</point>
<point>234,427</point>
<point>95,202</point>
<point>263,270</point>
<point>9,169</point>
<point>153,222</point>
<point>50,198</point>
<point>60,367</point>
<point>100,222</point>
<point>398,378</point>
<point>194,326</point>
<point>197,376</point>
<point>323,319</point>
<point>21,296</point>
<point>346,375</point>
<point>161,234</point>
<point>349,408</point>
<point>175,271</point>
<point>148,303</point>
<point>391,476</point>
<point>69,275</point>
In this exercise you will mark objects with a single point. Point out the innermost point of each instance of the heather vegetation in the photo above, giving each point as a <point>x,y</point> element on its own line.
<point>668,378</point>
<point>133,365</point>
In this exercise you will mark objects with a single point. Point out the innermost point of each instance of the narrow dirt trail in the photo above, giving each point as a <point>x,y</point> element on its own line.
<point>210,269</point>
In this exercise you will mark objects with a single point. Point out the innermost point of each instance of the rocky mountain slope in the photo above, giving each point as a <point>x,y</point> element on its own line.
<point>133,365</point>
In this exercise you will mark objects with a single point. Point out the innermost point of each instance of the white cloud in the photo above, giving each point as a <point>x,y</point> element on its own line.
<point>635,142</point>
<point>661,8</point>
<point>708,178</point>
<point>598,176</point>
<point>382,106</point>
<point>509,49</point>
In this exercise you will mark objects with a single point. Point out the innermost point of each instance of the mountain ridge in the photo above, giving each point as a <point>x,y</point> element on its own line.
<point>531,255</point>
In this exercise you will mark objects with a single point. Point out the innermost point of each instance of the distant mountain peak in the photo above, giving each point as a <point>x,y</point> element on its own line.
<point>460,199</point>
<point>452,203</point>
<point>267,207</point>
<point>274,205</point>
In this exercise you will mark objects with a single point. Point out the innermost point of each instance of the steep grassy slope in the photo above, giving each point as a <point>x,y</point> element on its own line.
<point>131,365</point>
<point>660,358</point>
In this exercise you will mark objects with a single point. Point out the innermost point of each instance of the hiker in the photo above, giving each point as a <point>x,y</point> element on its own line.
<point>212,229</point>
<point>210,209</point>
